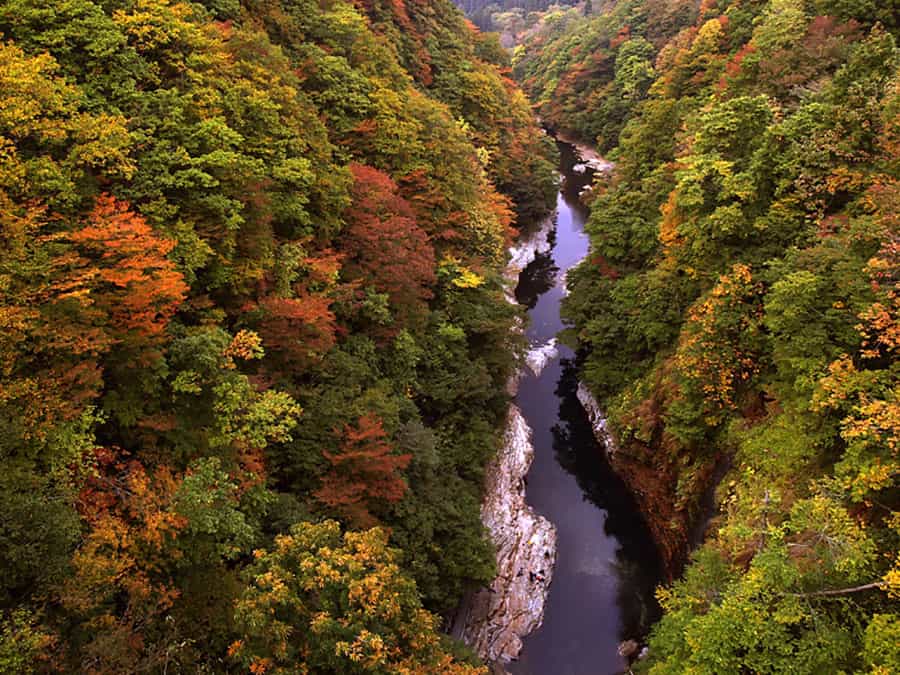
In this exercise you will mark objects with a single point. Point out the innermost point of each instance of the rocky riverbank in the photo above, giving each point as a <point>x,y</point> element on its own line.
<point>590,158</point>
<point>531,243</point>
<point>499,617</point>
<point>597,418</point>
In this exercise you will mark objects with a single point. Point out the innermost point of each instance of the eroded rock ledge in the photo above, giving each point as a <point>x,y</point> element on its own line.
<point>497,618</point>
<point>597,418</point>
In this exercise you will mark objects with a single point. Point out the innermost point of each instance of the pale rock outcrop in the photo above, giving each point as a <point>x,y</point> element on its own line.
<point>529,245</point>
<point>493,620</point>
<point>597,418</point>
<point>497,618</point>
<point>563,283</point>
<point>538,357</point>
<point>599,165</point>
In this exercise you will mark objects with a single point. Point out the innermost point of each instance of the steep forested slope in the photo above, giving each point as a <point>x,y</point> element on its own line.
<point>587,74</point>
<point>741,308</point>
<point>490,15</point>
<point>249,282</point>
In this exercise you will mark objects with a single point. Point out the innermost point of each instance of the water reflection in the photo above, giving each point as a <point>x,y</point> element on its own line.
<point>637,561</point>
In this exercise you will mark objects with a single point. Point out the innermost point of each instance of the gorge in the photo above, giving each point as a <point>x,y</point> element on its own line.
<point>277,397</point>
<point>597,557</point>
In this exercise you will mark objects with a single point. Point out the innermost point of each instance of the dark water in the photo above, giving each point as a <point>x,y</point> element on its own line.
<point>607,565</point>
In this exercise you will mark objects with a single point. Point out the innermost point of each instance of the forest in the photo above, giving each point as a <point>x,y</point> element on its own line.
<point>492,15</point>
<point>253,336</point>
<point>739,314</point>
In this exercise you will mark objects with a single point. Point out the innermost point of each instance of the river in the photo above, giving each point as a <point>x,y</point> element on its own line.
<point>607,566</point>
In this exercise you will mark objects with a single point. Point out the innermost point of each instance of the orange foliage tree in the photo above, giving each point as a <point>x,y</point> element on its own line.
<point>136,284</point>
<point>299,329</point>
<point>154,538</point>
<point>120,591</point>
<point>50,341</point>
<point>293,314</point>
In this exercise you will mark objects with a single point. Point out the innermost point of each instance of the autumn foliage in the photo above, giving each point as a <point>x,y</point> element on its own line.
<point>134,282</point>
<point>749,330</point>
<point>338,603</point>
<point>220,317</point>
<point>364,472</point>
<point>386,247</point>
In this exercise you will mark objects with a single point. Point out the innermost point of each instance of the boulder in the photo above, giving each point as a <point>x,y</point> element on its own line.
<point>628,649</point>
<point>538,357</point>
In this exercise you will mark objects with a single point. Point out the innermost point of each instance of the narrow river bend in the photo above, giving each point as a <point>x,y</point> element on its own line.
<point>607,566</point>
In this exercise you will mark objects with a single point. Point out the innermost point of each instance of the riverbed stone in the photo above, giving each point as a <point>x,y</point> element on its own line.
<point>541,356</point>
<point>628,648</point>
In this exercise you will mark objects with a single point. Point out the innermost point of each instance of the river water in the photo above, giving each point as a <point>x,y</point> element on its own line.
<point>607,565</point>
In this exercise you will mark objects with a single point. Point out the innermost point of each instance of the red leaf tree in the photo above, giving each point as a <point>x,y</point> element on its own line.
<point>385,247</point>
<point>299,329</point>
<point>364,473</point>
<point>294,315</point>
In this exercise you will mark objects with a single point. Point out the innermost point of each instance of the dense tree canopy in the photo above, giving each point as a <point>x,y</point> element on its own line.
<point>249,280</point>
<point>254,341</point>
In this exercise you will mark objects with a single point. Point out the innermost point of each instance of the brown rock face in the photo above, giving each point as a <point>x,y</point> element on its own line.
<point>653,486</point>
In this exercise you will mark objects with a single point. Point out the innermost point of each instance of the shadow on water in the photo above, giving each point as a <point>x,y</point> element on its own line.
<point>607,565</point>
<point>638,563</point>
<point>542,276</point>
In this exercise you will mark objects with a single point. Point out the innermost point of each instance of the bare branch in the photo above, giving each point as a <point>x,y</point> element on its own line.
<point>840,591</point>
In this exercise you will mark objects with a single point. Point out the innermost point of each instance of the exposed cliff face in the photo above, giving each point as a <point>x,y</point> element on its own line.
<point>652,480</point>
<point>531,243</point>
<point>500,616</point>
